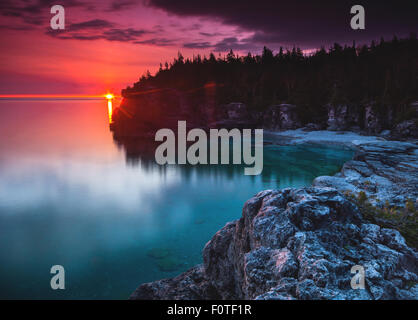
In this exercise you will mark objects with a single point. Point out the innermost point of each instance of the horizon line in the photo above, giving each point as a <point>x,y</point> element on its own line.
<point>54,96</point>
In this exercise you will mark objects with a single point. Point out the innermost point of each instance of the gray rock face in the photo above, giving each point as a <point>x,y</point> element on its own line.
<point>281,117</point>
<point>297,244</point>
<point>144,114</point>
<point>370,118</point>
<point>372,121</point>
<point>342,117</point>
<point>232,115</point>
<point>385,171</point>
<point>407,129</point>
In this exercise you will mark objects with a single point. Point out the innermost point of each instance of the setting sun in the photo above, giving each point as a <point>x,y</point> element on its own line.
<point>109,96</point>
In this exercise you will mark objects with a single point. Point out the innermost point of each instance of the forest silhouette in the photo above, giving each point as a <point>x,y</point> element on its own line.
<point>383,73</point>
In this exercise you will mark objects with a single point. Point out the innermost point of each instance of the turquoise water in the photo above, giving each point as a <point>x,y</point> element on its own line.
<point>70,197</point>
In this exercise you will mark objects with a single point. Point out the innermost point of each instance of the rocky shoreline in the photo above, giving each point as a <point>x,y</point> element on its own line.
<point>142,114</point>
<point>302,243</point>
<point>386,171</point>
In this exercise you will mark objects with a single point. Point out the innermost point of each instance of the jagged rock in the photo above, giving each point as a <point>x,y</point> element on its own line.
<point>296,244</point>
<point>281,117</point>
<point>191,285</point>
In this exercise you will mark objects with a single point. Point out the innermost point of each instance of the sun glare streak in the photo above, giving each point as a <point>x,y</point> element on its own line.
<point>58,96</point>
<point>48,96</point>
<point>110,110</point>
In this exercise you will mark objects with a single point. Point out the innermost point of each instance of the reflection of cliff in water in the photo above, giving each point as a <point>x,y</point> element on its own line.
<point>283,165</point>
<point>140,151</point>
<point>138,117</point>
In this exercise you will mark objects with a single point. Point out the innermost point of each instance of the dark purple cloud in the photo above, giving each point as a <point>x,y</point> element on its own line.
<point>197,45</point>
<point>98,29</point>
<point>118,5</point>
<point>90,24</point>
<point>233,43</point>
<point>306,23</point>
<point>210,34</point>
<point>128,34</point>
<point>225,44</point>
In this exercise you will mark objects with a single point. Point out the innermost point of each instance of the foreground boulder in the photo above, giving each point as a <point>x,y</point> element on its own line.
<point>296,244</point>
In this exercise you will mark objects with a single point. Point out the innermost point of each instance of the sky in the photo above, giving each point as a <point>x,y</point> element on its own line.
<point>108,44</point>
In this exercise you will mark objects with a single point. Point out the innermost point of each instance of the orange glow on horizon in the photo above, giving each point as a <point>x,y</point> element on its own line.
<point>57,96</point>
<point>49,96</point>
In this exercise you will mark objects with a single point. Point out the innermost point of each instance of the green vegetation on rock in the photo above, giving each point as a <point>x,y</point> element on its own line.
<point>404,219</point>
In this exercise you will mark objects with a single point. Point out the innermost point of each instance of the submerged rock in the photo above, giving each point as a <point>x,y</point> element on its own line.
<point>296,244</point>
<point>165,259</point>
<point>169,264</point>
<point>158,253</point>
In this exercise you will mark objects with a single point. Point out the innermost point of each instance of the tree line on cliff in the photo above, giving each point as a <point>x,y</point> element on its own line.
<point>384,73</point>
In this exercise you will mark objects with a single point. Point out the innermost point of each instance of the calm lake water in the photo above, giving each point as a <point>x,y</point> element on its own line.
<point>70,197</point>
